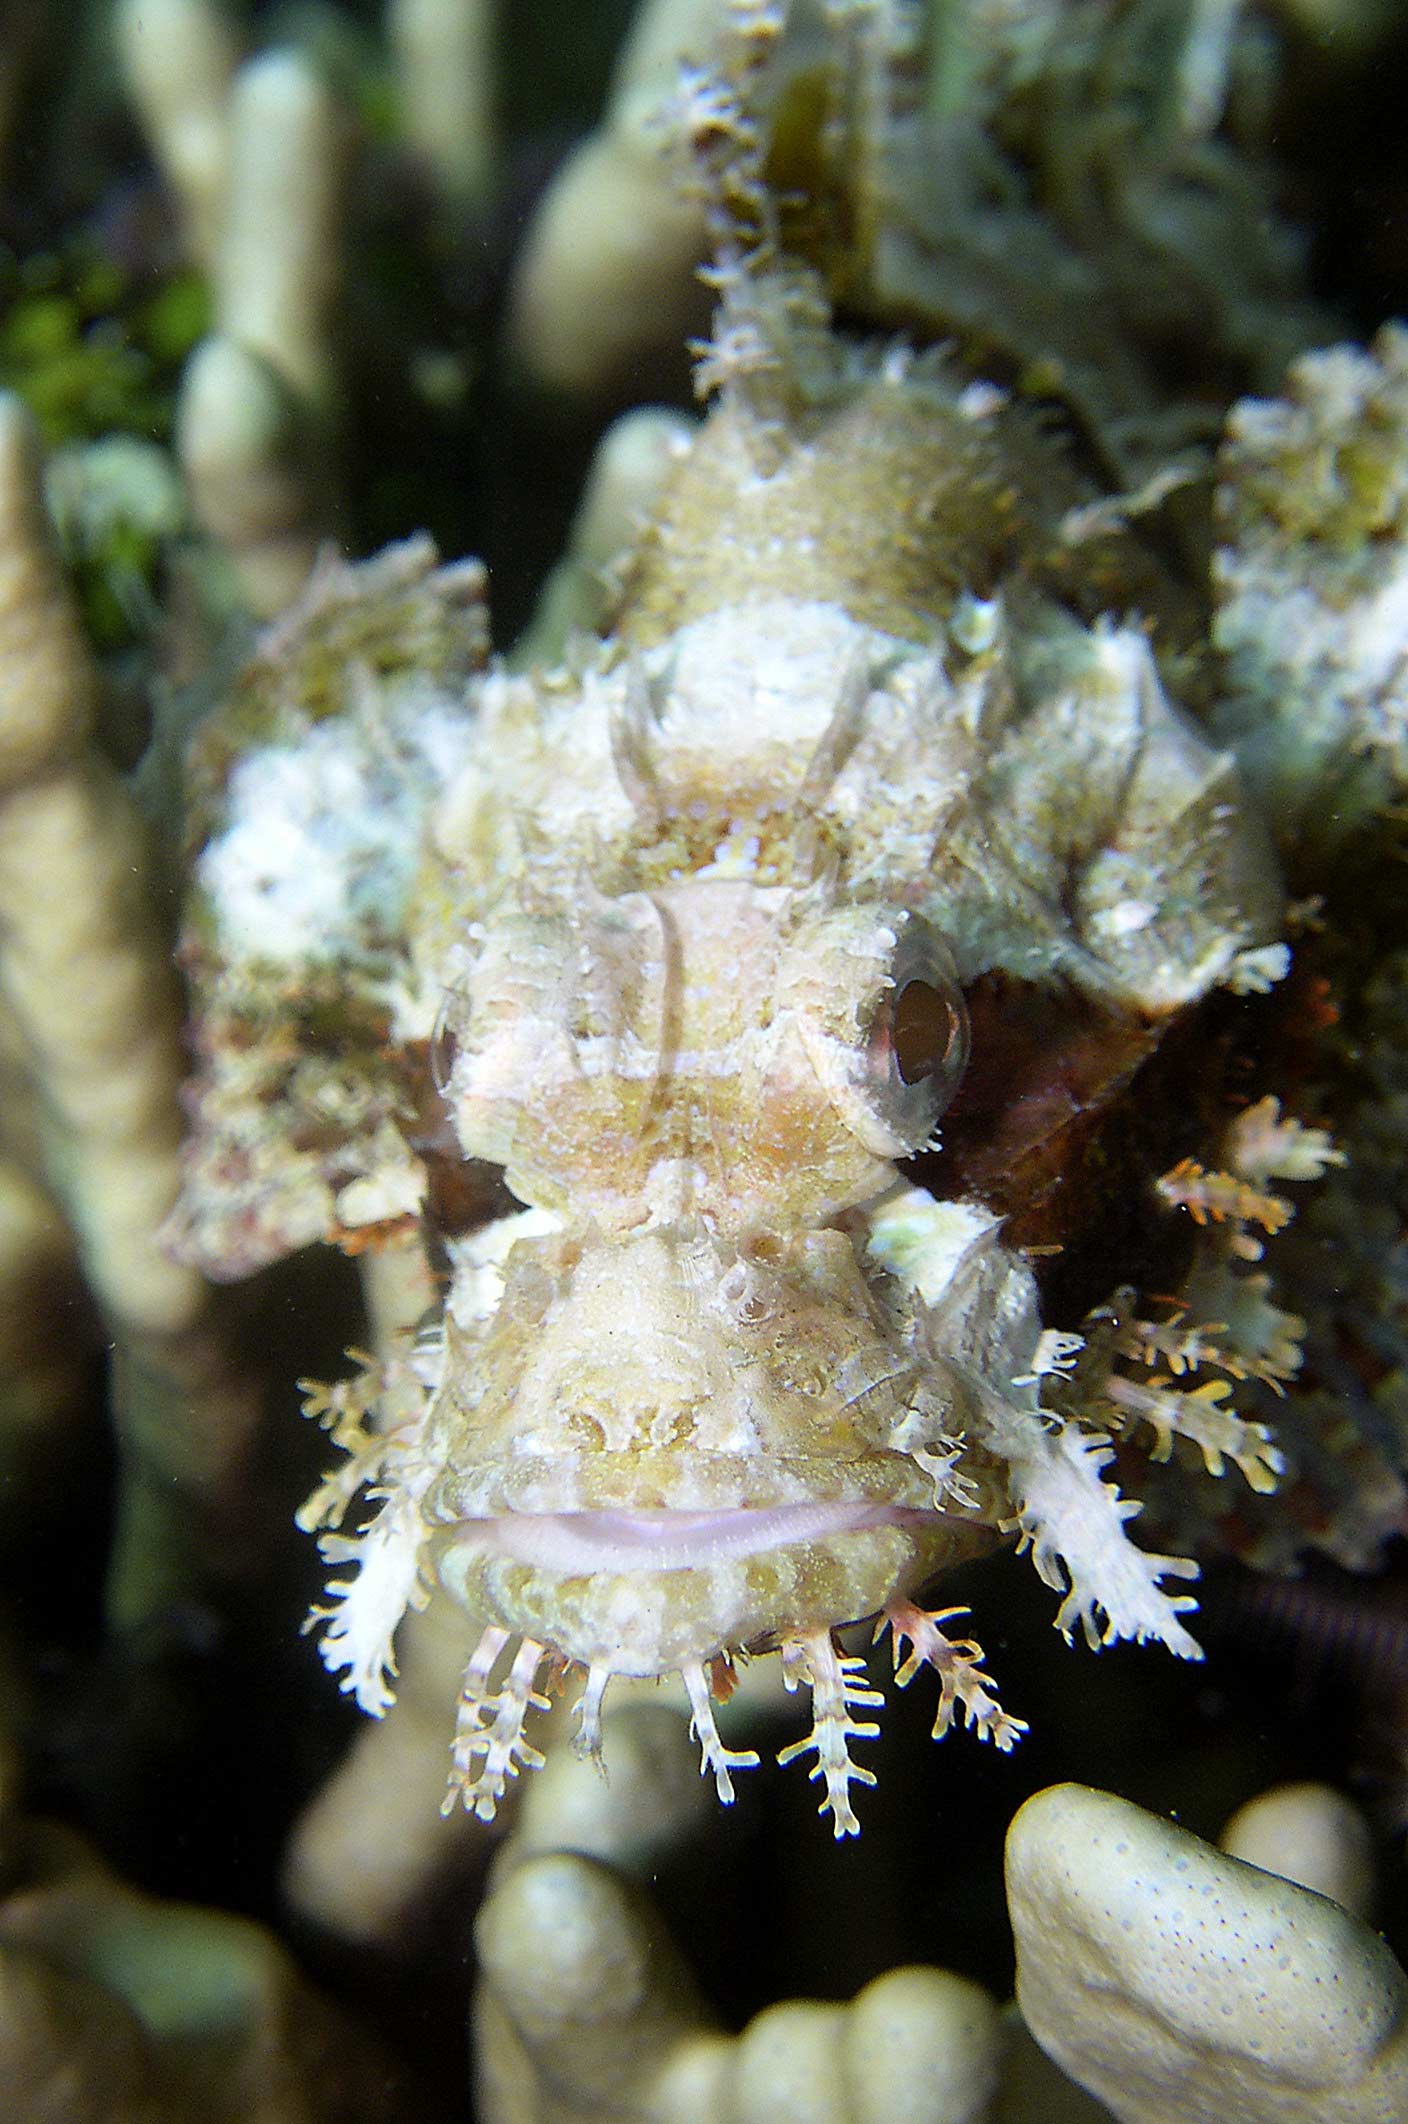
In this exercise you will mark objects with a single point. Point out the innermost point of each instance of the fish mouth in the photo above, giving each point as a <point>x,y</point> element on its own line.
<point>581,1543</point>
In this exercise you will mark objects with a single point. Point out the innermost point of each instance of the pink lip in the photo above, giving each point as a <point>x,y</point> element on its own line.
<point>584,1542</point>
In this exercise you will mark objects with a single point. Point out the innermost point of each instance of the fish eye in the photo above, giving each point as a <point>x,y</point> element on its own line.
<point>918,1041</point>
<point>926,1028</point>
<point>917,1047</point>
<point>890,1049</point>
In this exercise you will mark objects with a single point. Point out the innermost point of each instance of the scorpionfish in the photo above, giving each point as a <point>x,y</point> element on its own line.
<point>812,958</point>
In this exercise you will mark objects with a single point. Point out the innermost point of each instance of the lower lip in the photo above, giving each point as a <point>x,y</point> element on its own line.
<point>585,1542</point>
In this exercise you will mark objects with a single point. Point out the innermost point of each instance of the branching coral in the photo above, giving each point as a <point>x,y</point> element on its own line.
<point>629,468</point>
<point>86,969</point>
<point>1311,1835</point>
<point>1311,590</point>
<point>122,2008</point>
<point>257,157</point>
<point>1183,1987</point>
<point>606,275</point>
<point>1173,1982</point>
<point>180,58</point>
<point>85,961</point>
<point>618,2027</point>
<point>444,53</point>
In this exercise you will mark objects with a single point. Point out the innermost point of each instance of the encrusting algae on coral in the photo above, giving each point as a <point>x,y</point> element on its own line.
<point>799,953</point>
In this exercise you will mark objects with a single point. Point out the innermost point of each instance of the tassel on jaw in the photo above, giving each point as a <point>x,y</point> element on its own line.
<point>962,1684</point>
<point>490,1723</point>
<point>838,1687</point>
<point>702,1727</point>
<point>586,1741</point>
<point>490,1748</point>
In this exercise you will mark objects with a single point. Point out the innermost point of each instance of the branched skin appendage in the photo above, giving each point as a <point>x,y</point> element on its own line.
<point>490,1747</point>
<point>717,1759</point>
<point>687,955</point>
<point>838,1687</point>
<point>964,1690</point>
<point>389,1554</point>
